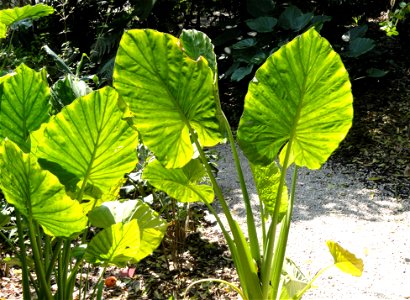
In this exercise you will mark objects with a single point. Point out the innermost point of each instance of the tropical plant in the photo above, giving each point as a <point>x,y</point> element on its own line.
<point>297,110</point>
<point>62,174</point>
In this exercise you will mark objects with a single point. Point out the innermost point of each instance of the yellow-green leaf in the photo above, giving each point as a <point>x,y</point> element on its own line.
<point>345,260</point>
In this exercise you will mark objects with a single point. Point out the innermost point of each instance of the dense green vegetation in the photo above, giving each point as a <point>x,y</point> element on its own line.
<point>84,96</point>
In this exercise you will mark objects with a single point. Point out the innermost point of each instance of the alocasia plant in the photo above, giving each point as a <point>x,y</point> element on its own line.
<point>61,172</point>
<point>297,110</point>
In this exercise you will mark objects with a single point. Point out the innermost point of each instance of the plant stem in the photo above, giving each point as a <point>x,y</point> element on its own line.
<point>252,234</point>
<point>283,238</point>
<point>267,265</point>
<point>22,256</point>
<point>39,264</point>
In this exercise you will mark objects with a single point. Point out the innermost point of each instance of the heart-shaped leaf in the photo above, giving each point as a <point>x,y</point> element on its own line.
<point>38,194</point>
<point>300,96</point>
<point>88,143</point>
<point>171,95</point>
<point>115,245</point>
<point>243,44</point>
<point>345,260</point>
<point>262,24</point>
<point>360,46</point>
<point>24,105</point>
<point>183,184</point>
<point>294,19</point>
<point>13,15</point>
<point>152,226</point>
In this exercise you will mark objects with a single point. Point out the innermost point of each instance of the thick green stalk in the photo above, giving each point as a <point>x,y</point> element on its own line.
<point>253,237</point>
<point>269,254</point>
<point>24,265</point>
<point>248,275</point>
<point>283,239</point>
<point>38,262</point>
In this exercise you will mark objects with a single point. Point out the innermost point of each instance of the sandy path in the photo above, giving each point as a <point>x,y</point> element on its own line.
<point>332,205</point>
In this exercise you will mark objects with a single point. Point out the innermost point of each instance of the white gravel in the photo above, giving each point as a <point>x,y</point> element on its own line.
<point>333,205</point>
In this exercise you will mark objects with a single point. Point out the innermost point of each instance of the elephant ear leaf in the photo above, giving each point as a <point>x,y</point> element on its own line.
<point>115,245</point>
<point>183,184</point>
<point>299,105</point>
<point>37,194</point>
<point>345,260</point>
<point>88,145</point>
<point>152,226</point>
<point>24,105</point>
<point>170,94</point>
<point>16,14</point>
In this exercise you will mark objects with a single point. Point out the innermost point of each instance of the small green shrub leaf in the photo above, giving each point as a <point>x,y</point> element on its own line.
<point>262,24</point>
<point>196,44</point>
<point>38,194</point>
<point>183,184</point>
<point>24,105</point>
<point>292,18</point>
<point>241,72</point>
<point>16,14</point>
<point>243,44</point>
<point>88,144</point>
<point>152,226</point>
<point>170,94</point>
<point>267,180</point>
<point>301,95</point>
<point>344,260</point>
<point>360,46</point>
<point>115,245</point>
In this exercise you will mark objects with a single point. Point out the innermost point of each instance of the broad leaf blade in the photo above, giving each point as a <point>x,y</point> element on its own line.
<point>24,100</point>
<point>115,245</point>
<point>196,44</point>
<point>344,260</point>
<point>13,15</point>
<point>267,180</point>
<point>152,226</point>
<point>360,46</point>
<point>182,184</point>
<point>302,95</point>
<point>3,30</point>
<point>38,194</point>
<point>262,24</point>
<point>168,92</point>
<point>89,144</point>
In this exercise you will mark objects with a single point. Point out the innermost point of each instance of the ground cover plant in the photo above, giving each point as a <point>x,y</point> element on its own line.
<point>67,169</point>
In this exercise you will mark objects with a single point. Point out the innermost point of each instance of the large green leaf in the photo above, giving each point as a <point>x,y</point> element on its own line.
<point>117,245</point>
<point>196,44</point>
<point>300,96</point>
<point>345,260</point>
<point>267,180</point>
<point>262,24</point>
<point>88,143</point>
<point>293,18</point>
<point>3,30</point>
<point>152,226</point>
<point>24,105</point>
<point>38,194</point>
<point>13,15</point>
<point>170,94</point>
<point>183,184</point>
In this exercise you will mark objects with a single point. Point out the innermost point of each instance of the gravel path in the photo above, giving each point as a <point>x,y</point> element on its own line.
<point>333,205</point>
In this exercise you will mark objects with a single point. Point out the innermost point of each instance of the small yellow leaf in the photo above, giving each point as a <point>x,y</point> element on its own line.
<point>345,260</point>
